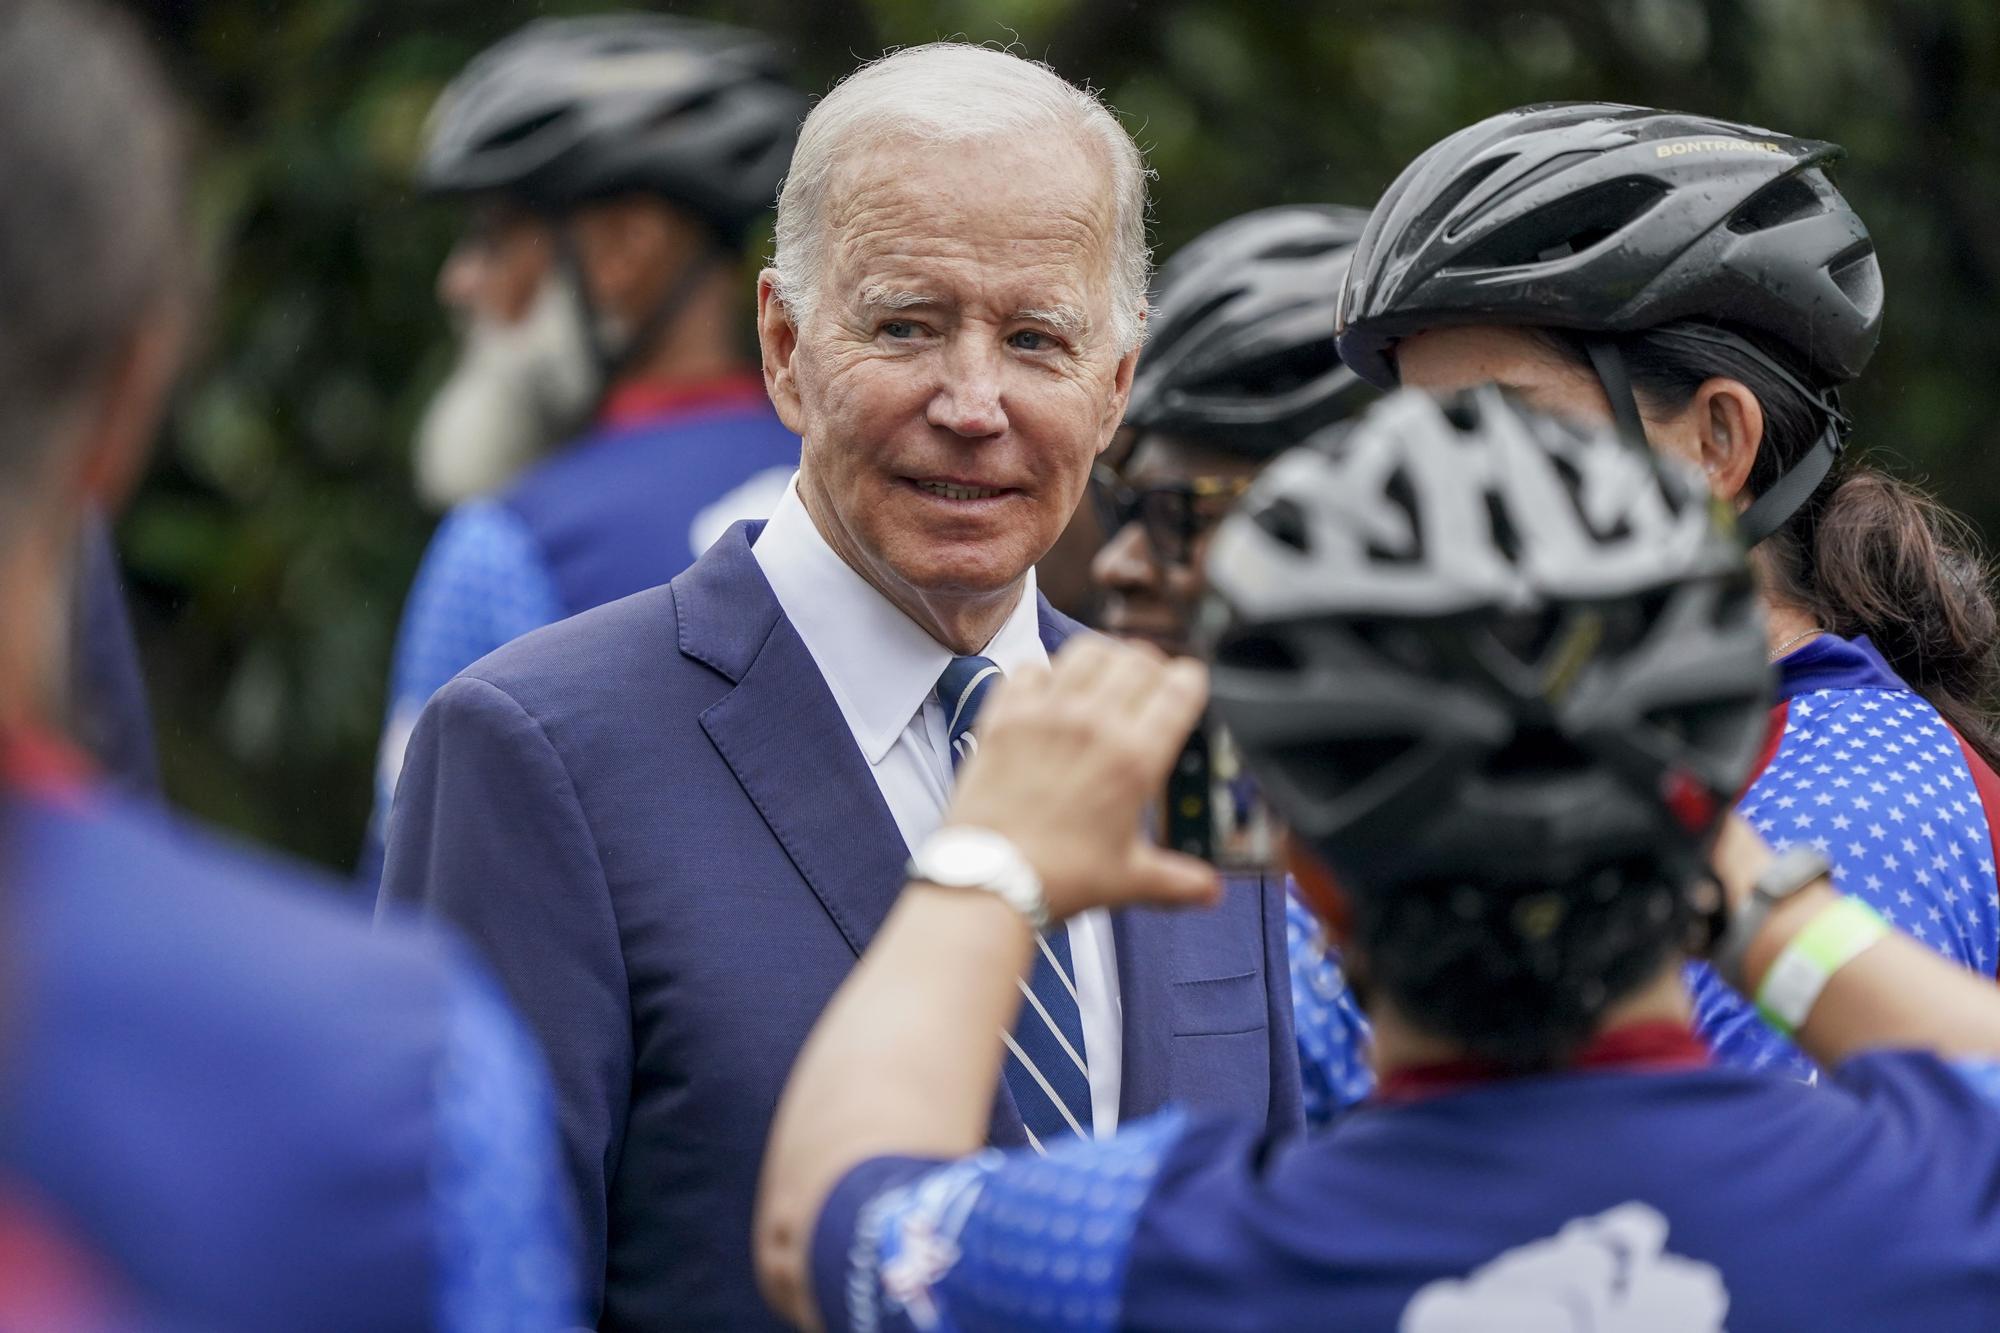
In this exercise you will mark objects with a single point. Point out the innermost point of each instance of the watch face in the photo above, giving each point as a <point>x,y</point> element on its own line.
<point>961,857</point>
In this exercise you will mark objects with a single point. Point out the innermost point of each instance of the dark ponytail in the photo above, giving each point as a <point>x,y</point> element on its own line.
<point>1867,554</point>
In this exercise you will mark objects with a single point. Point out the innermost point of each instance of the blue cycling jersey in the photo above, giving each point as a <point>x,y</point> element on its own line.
<point>623,509</point>
<point>1678,1197</point>
<point>1868,773</point>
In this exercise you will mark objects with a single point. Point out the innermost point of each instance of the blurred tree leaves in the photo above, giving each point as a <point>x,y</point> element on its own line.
<point>272,544</point>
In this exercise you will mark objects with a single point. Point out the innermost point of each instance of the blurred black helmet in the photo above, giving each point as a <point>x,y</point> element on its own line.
<point>1605,218</point>
<point>1240,349</point>
<point>568,110</point>
<point>1465,643</point>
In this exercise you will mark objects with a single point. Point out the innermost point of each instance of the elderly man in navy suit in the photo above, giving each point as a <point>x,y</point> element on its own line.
<point>674,822</point>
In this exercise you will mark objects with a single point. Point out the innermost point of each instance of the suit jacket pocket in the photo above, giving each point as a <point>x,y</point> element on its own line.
<point>1218,1006</point>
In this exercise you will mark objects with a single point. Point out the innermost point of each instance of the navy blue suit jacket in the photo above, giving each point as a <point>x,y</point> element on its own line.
<point>653,819</point>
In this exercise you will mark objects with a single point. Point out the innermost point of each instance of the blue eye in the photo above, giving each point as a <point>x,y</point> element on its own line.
<point>1037,340</point>
<point>899,328</point>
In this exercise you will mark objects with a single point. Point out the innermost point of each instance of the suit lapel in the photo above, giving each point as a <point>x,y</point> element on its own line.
<point>782,735</point>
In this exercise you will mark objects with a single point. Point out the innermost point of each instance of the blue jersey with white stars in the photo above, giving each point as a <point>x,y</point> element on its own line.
<point>1868,773</point>
<point>1683,1196</point>
<point>1332,1033</point>
<point>621,510</point>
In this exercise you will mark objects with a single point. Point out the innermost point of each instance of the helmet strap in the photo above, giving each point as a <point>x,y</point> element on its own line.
<point>1611,372</point>
<point>1789,493</point>
<point>611,362</point>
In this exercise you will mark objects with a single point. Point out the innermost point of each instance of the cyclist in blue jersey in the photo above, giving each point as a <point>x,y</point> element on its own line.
<point>247,1107</point>
<point>1707,286</point>
<point>1239,365</point>
<point>1502,675</point>
<point>614,166</point>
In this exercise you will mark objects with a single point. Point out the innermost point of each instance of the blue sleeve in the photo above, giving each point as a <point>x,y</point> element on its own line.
<point>506,1243</point>
<point>489,835</point>
<point>1332,1032</point>
<point>1983,1077</point>
<point>997,1241</point>
<point>483,583</point>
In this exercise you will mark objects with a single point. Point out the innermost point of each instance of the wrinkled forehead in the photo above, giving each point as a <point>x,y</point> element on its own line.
<point>1027,222</point>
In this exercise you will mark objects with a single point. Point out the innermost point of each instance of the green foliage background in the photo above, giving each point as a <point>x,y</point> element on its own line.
<point>271,546</point>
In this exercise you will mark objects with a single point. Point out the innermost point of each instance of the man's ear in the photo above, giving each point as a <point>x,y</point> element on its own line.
<point>1729,428</point>
<point>778,341</point>
<point>1121,393</point>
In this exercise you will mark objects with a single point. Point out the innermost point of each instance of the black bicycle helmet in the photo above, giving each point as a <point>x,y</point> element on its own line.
<point>1608,219</point>
<point>568,110</point>
<point>1463,642</point>
<point>1240,351</point>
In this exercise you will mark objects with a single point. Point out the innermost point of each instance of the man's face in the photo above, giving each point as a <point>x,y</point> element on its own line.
<point>498,263</point>
<point>1150,568</point>
<point>958,373</point>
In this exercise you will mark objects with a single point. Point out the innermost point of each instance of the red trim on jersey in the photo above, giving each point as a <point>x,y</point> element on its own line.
<point>638,401</point>
<point>45,1280</point>
<point>1774,736</point>
<point>1987,784</point>
<point>43,764</point>
<point>1654,1045</point>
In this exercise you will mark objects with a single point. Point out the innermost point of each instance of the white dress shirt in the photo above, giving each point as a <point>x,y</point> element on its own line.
<point>883,671</point>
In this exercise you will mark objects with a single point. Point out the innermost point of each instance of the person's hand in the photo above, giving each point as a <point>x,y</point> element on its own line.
<point>1740,856</point>
<point>1067,760</point>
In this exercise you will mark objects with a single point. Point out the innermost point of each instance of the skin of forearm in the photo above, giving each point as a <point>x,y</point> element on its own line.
<point>890,1068</point>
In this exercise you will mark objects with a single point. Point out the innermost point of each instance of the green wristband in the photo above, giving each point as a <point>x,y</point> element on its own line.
<point>1827,943</point>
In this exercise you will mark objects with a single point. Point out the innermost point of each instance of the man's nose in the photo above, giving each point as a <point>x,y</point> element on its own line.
<point>1125,563</point>
<point>968,401</point>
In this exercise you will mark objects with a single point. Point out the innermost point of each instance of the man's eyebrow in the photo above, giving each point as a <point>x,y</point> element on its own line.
<point>879,297</point>
<point>1062,318</point>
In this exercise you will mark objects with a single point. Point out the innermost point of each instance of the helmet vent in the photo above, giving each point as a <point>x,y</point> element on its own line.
<point>696,105</point>
<point>1326,770</point>
<point>1312,247</point>
<point>522,130</point>
<point>1286,522</point>
<point>1506,538</point>
<point>1257,652</point>
<point>1570,226</point>
<point>1454,194</point>
<point>1859,278</point>
<point>1786,199</point>
<point>1538,752</point>
<point>1400,492</point>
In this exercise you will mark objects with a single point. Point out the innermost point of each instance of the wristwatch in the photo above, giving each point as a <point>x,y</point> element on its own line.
<point>1788,873</point>
<point>958,857</point>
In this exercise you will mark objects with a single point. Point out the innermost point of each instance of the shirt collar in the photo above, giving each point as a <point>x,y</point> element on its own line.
<point>633,402</point>
<point>41,763</point>
<point>880,665</point>
<point>1830,662</point>
<point>1650,1045</point>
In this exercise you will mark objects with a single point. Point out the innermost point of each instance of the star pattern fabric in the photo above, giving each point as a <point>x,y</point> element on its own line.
<point>1333,1035</point>
<point>1874,779</point>
<point>483,583</point>
<point>1012,1241</point>
<point>506,1238</point>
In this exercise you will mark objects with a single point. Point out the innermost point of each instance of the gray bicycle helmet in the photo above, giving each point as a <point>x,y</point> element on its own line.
<point>1240,351</point>
<point>567,110</point>
<point>1469,643</point>
<point>1608,219</point>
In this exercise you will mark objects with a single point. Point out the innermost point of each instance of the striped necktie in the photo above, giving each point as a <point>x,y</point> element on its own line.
<point>1046,1067</point>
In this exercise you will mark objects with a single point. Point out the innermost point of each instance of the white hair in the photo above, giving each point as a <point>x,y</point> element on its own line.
<point>953,92</point>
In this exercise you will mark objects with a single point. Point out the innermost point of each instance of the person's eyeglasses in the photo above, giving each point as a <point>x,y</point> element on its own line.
<point>1173,515</point>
